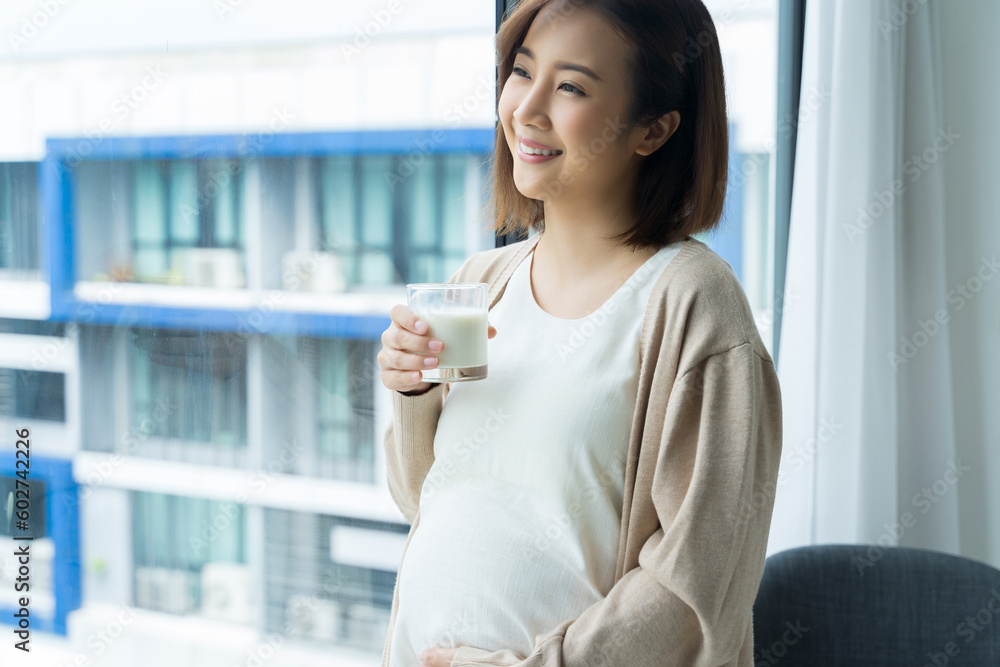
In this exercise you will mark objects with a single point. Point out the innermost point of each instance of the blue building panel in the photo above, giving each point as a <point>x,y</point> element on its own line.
<point>62,522</point>
<point>57,197</point>
<point>245,322</point>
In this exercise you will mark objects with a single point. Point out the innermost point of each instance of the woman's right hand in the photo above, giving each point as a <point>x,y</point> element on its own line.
<point>406,346</point>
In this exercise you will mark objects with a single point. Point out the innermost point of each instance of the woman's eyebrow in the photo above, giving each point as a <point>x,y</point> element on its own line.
<point>561,65</point>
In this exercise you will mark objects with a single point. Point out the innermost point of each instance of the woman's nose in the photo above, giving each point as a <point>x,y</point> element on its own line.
<point>532,109</point>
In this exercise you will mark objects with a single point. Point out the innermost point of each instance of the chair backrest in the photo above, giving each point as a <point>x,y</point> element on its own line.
<point>865,605</point>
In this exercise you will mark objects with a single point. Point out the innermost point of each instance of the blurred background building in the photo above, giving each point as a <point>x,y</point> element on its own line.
<point>207,210</point>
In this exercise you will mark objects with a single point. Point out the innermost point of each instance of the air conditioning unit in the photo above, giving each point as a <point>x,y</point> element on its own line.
<point>313,618</point>
<point>163,589</point>
<point>312,272</point>
<point>227,592</point>
<point>209,267</point>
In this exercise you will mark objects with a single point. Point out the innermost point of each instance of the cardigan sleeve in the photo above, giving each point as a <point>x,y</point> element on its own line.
<point>409,445</point>
<point>689,601</point>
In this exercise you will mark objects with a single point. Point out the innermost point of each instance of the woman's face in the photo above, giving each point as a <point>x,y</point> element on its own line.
<point>568,91</point>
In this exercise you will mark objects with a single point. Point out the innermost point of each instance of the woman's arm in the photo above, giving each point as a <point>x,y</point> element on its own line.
<point>409,445</point>
<point>690,599</point>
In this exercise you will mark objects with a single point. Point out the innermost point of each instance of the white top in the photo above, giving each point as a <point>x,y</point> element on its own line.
<point>520,513</point>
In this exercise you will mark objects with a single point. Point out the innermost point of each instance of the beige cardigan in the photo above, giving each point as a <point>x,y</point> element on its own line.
<point>701,473</point>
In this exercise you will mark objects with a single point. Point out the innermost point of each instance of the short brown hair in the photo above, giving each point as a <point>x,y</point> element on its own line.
<point>674,63</point>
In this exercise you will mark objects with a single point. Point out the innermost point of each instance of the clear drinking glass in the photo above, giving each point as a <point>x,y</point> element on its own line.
<point>456,313</point>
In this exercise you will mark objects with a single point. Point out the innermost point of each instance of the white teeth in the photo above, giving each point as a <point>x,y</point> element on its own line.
<point>536,151</point>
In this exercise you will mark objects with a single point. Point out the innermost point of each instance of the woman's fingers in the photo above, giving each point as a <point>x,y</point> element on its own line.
<point>405,351</point>
<point>406,334</point>
<point>411,342</point>
<point>392,359</point>
<point>406,319</point>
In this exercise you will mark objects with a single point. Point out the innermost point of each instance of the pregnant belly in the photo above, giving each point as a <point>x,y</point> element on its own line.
<point>476,574</point>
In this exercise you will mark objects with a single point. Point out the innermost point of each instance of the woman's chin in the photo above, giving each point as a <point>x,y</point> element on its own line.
<point>533,190</point>
<point>537,196</point>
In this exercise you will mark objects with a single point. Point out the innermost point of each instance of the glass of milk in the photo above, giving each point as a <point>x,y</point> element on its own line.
<point>456,313</point>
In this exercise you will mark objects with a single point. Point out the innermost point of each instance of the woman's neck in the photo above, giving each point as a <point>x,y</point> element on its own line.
<point>581,249</point>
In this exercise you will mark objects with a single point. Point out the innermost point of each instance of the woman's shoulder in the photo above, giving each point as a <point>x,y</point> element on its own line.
<point>699,298</point>
<point>699,270</point>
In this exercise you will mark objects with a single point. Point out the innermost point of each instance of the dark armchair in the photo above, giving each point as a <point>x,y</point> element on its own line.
<point>870,606</point>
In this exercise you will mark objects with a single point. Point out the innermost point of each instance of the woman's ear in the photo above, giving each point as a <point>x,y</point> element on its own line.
<point>658,133</point>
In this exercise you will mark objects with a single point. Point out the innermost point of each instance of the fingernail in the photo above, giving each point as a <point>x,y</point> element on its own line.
<point>430,361</point>
<point>435,345</point>
<point>421,326</point>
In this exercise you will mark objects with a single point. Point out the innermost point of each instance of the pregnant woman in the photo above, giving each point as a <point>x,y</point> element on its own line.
<point>604,496</point>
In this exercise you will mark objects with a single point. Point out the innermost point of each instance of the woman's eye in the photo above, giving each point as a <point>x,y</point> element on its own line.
<point>519,71</point>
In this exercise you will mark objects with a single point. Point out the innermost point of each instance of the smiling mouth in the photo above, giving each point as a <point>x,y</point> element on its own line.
<point>537,151</point>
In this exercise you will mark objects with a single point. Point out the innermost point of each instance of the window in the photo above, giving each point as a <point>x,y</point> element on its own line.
<point>164,393</point>
<point>344,222</point>
<point>749,41</point>
<point>179,205</point>
<point>32,328</point>
<point>184,552</point>
<point>389,228</point>
<point>32,395</point>
<point>437,192</point>
<point>37,508</point>
<point>18,219</point>
<point>316,596</point>
<point>167,221</point>
<point>346,435</point>
<point>189,386</point>
<point>318,407</point>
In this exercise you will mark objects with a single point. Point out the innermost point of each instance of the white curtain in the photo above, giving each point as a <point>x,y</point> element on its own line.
<point>869,444</point>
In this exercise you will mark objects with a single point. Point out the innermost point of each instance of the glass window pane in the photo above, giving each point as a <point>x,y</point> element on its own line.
<point>377,269</point>
<point>425,212</point>
<point>184,209</point>
<point>376,201</point>
<point>32,327</point>
<point>18,216</point>
<point>180,547</point>
<point>338,212</point>
<point>427,268</point>
<point>200,377</point>
<point>220,191</point>
<point>150,262</point>
<point>453,203</point>
<point>338,203</point>
<point>148,212</point>
<point>40,395</point>
<point>39,509</point>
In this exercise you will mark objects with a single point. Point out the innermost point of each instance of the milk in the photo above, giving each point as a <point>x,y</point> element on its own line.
<point>464,331</point>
